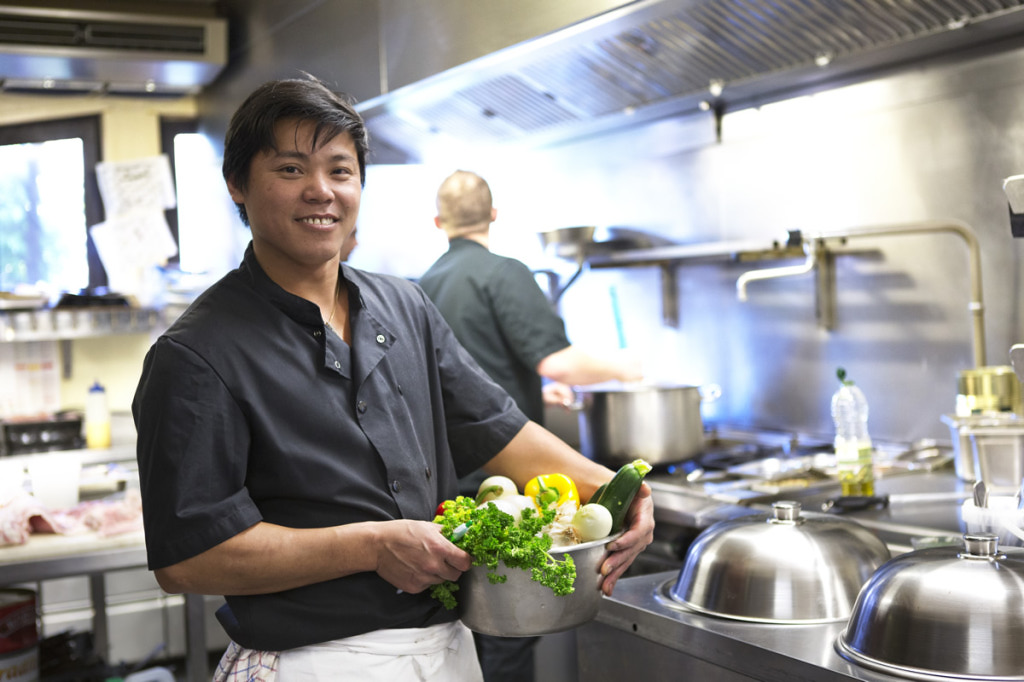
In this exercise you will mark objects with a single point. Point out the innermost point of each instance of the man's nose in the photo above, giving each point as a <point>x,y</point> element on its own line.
<point>317,188</point>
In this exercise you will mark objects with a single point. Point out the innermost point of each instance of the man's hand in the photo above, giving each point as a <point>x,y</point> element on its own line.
<point>558,394</point>
<point>639,533</point>
<point>413,555</point>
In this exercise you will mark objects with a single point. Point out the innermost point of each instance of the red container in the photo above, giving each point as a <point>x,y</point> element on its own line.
<point>19,636</point>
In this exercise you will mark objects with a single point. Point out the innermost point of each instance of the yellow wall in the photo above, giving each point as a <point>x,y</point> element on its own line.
<point>130,128</point>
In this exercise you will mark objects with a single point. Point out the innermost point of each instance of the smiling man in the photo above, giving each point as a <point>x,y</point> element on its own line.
<point>300,422</point>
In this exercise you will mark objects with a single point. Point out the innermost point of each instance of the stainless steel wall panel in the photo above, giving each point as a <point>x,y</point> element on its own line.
<point>931,142</point>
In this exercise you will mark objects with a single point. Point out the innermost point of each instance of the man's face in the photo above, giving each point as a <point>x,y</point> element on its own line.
<point>302,203</point>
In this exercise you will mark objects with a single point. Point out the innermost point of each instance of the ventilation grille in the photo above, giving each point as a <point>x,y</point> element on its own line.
<point>139,37</point>
<point>669,51</point>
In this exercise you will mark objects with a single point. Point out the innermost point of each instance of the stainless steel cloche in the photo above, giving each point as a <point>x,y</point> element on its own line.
<point>943,613</point>
<point>790,567</point>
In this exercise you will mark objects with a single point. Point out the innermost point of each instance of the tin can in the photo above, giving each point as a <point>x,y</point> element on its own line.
<point>19,636</point>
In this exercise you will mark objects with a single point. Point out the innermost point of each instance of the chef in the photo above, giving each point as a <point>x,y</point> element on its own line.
<point>300,422</point>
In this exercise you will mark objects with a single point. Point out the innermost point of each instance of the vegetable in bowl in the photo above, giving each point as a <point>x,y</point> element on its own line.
<point>492,536</point>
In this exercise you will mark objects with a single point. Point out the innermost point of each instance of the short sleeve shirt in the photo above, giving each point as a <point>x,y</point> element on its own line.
<point>501,316</point>
<point>250,409</point>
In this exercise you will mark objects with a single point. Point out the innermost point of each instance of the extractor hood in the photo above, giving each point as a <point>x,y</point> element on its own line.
<point>146,49</point>
<point>657,58</point>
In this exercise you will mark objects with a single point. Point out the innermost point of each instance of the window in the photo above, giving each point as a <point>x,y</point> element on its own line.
<point>170,130</point>
<point>48,199</point>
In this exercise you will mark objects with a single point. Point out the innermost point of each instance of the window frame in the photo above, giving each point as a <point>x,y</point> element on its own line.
<point>170,126</point>
<point>89,130</point>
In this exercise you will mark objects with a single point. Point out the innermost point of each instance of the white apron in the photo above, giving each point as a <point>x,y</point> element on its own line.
<point>439,653</point>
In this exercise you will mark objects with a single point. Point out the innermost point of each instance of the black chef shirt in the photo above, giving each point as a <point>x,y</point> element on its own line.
<point>500,315</point>
<point>250,409</point>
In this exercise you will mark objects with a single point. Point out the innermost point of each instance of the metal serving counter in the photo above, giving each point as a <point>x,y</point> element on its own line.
<point>637,636</point>
<point>640,633</point>
<point>47,557</point>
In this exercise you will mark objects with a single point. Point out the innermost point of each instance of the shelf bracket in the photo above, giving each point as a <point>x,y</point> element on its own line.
<point>825,287</point>
<point>669,296</point>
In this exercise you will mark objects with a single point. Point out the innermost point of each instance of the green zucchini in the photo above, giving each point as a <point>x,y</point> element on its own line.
<point>617,494</point>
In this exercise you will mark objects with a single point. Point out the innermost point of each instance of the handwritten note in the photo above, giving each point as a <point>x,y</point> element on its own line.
<point>130,245</point>
<point>128,186</point>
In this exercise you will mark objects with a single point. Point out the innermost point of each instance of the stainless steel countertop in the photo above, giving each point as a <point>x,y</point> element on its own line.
<point>771,653</point>
<point>924,506</point>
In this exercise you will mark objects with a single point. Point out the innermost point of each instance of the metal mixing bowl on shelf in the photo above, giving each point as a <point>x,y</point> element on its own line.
<point>521,607</point>
<point>943,613</point>
<point>790,567</point>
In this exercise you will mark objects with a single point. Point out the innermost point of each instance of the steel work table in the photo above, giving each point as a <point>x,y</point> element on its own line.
<point>47,557</point>
<point>636,636</point>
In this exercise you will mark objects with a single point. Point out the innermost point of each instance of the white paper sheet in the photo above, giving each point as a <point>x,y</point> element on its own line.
<point>129,186</point>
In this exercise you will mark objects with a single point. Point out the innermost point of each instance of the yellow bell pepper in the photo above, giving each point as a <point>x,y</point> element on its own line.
<point>551,490</point>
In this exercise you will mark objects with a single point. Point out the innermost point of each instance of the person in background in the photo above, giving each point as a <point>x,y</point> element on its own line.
<point>499,313</point>
<point>300,422</point>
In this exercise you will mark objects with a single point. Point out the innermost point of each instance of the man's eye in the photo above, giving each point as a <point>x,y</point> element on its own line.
<point>289,169</point>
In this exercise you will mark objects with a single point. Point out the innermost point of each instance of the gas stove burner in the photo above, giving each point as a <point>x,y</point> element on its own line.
<point>721,458</point>
<point>718,457</point>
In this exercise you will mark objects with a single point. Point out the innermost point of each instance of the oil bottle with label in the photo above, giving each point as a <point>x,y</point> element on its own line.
<point>854,452</point>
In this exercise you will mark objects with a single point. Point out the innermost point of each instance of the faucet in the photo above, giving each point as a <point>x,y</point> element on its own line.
<point>958,228</point>
<point>810,249</point>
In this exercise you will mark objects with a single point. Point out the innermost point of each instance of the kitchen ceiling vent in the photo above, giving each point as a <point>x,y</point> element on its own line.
<point>138,52</point>
<point>667,57</point>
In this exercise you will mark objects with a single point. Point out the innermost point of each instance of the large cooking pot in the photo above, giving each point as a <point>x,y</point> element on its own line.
<point>652,422</point>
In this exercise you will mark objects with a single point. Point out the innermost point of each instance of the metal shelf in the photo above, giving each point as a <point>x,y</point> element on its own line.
<point>76,323</point>
<point>819,251</point>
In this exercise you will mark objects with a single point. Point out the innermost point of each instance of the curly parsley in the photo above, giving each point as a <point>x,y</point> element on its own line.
<point>492,536</point>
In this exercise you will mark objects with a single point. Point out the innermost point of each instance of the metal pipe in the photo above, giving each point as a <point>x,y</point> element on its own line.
<point>775,273</point>
<point>976,305</point>
<point>957,227</point>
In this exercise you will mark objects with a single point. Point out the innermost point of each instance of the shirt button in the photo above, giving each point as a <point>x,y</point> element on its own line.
<point>317,332</point>
<point>361,406</point>
<point>380,338</point>
<point>396,486</point>
<point>337,365</point>
<point>429,473</point>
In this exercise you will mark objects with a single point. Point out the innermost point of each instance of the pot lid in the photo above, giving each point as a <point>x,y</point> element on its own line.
<point>785,567</point>
<point>941,612</point>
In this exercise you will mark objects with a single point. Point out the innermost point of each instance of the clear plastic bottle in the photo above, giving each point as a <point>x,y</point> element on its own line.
<point>853,444</point>
<point>97,418</point>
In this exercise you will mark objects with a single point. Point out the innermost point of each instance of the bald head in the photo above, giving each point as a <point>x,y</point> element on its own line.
<point>464,204</point>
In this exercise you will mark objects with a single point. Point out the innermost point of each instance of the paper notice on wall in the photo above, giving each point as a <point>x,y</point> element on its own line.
<point>139,184</point>
<point>129,246</point>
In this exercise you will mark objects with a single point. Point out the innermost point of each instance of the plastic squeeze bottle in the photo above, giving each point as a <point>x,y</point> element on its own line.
<point>852,444</point>
<point>97,418</point>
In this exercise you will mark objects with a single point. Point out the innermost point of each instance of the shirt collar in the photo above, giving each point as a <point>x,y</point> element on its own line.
<point>299,309</point>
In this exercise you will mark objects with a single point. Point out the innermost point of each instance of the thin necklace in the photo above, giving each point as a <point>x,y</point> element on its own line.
<point>334,308</point>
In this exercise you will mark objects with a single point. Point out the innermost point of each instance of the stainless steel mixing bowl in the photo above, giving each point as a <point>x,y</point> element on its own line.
<point>943,613</point>
<point>788,567</point>
<point>521,607</point>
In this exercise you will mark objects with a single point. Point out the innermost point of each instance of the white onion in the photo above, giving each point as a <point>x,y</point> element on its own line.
<point>506,487</point>
<point>592,522</point>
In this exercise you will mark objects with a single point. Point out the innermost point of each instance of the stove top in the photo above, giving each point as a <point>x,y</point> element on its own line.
<point>742,472</point>
<point>747,466</point>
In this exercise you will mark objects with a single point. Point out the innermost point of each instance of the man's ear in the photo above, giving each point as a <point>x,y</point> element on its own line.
<point>437,222</point>
<point>236,194</point>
